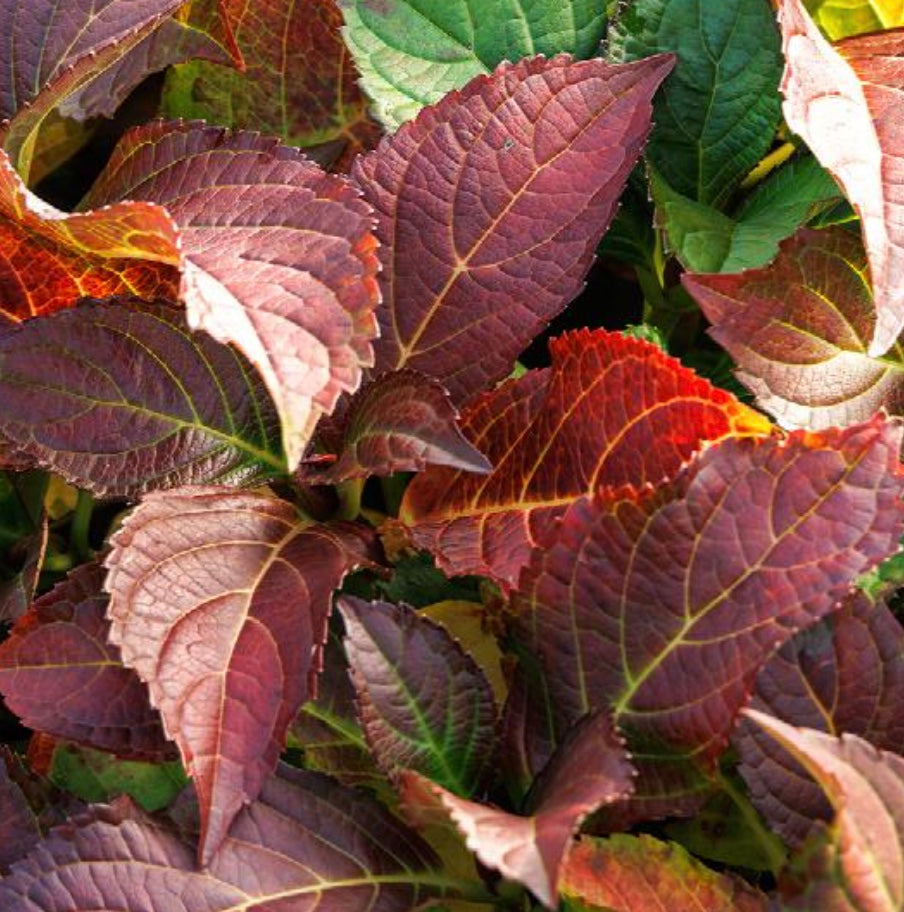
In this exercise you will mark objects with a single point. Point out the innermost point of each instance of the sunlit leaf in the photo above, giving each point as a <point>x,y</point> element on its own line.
<point>843,18</point>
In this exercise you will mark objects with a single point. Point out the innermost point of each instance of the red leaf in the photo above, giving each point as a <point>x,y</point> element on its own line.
<point>590,769</point>
<point>60,676</point>
<point>278,257</point>
<point>844,675</point>
<point>847,103</point>
<point>19,829</point>
<point>219,600</point>
<point>491,204</point>
<point>610,411</point>
<point>799,330</point>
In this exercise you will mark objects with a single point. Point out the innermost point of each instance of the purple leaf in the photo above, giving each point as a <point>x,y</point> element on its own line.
<point>19,829</point>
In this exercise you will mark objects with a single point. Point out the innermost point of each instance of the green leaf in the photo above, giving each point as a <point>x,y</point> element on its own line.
<point>412,52</point>
<point>716,116</point>
<point>842,18</point>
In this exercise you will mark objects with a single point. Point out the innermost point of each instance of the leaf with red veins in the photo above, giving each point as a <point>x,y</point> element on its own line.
<point>590,769</point>
<point>490,205</point>
<point>611,410</point>
<point>664,603</point>
<point>860,865</point>
<point>60,676</point>
<point>278,257</point>
<point>219,600</point>
<point>847,103</point>
<point>51,259</point>
<point>19,829</point>
<point>844,675</point>
<point>305,843</point>
<point>799,330</point>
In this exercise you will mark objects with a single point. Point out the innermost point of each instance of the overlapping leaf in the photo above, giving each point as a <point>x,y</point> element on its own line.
<point>800,330</point>
<point>219,600</point>
<point>120,398</point>
<point>490,205</point>
<point>424,703</point>
<point>640,873</point>
<point>610,411</point>
<point>844,675</point>
<point>847,103</point>
<point>59,674</point>
<point>306,842</point>
<point>665,603</point>
<point>716,116</point>
<point>412,52</point>
<point>590,769</point>
<point>19,829</point>
<point>299,81</point>
<point>862,865</point>
<point>278,257</point>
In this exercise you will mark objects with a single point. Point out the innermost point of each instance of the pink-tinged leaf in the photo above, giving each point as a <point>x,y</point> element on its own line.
<point>51,259</point>
<point>799,329</point>
<point>306,843</point>
<point>664,603</point>
<point>844,675</point>
<point>278,257</point>
<point>219,600</point>
<point>490,205</point>
<point>590,769</point>
<point>862,865</point>
<point>401,422</point>
<point>119,397</point>
<point>640,873</point>
<point>611,410</point>
<point>60,675</point>
<point>847,103</point>
<point>423,702</point>
<point>19,829</point>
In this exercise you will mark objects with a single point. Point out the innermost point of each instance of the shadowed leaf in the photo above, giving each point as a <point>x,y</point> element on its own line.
<point>219,600</point>
<point>19,829</point>
<point>490,206</point>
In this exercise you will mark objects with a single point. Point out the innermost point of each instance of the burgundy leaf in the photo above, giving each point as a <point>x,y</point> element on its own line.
<point>424,703</point>
<point>60,675</point>
<point>490,205</point>
<point>219,600</point>
<point>847,103</point>
<point>119,397</point>
<point>590,769</point>
<point>17,594</point>
<point>19,829</point>
<point>278,257</point>
<point>664,603</point>
<point>799,330</point>
<point>611,410</point>
<point>844,675</point>
<point>306,843</point>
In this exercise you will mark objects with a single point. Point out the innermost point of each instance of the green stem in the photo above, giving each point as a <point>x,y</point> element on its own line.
<point>772,847</point>
<point>393,487</point>
<point>79,531</point>
<point>768,164</point>
<point>350,498</point>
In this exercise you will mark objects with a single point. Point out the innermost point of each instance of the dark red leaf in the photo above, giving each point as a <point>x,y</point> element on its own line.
<point>490,205</point>
<point>60,675</point>
<point>219,600</point>
<point>278,257</point>
<point>611,410</point>
<point>19,829</point>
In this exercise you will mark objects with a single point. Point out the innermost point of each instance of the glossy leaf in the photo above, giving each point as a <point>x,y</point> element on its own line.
<point>490,205</point>
<point>609,411</point>
<point>799,330</point>
<point>847,104</point>
<point>862,866</point>
<point>51,260</point>
<point>844,675</point>
<point>716,115</point>
<point>412,52</point>
<point>219,600</point>
<point>120,398</point>
<point>299,81</point>
<point>306,842</point>
<point>59,674</point>
<point>401,422</point>
<point>423,702</point>
<point>590,769</point>
<point>278,257</point>
<point>664,603</point>
<point>19,829</point>
<point>640,873</point>
<point>843,18</point>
